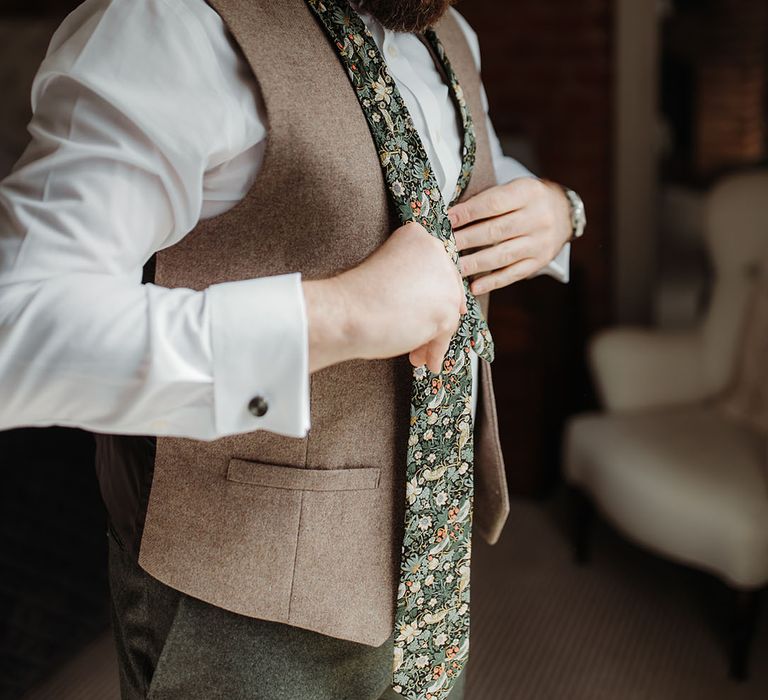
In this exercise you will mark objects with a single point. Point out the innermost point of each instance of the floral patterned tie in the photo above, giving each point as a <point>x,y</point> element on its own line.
<point>432,617</point>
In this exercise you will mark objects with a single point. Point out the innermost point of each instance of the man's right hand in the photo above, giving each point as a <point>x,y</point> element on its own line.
<point>406,297</point>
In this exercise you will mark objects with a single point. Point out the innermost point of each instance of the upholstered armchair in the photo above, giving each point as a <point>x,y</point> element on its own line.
<point>662,463</point>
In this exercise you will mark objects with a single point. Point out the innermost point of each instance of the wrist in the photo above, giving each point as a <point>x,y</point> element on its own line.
<point>331,323</point>
<point>350,289</point>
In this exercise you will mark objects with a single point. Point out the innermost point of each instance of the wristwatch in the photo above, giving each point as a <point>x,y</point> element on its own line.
<point>578,213</point>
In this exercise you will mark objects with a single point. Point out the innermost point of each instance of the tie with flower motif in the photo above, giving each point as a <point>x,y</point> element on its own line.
<point>432,617</point>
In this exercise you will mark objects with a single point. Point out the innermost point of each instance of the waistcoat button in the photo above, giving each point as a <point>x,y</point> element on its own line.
<point>258,406</point>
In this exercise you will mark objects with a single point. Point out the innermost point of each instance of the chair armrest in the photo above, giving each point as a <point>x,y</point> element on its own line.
<point>637,368</point>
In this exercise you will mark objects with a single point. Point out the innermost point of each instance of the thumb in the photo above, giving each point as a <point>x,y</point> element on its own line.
<point>463,304</point>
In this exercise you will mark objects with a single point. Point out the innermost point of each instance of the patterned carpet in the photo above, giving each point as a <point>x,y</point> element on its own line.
<point>91,675</point>
<point>627,627</point>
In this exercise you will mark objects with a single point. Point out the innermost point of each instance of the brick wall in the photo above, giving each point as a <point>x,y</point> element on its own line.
<point>547,67</point>
<point>731,89</point>
<point>53,585</point>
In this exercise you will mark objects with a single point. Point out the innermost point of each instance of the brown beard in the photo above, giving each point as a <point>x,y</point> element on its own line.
<point>407,15</point>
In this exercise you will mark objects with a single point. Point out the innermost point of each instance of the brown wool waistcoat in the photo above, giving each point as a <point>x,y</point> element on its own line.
<point>300,531</point>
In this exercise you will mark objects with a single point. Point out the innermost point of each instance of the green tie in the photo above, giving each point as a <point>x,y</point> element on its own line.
<point>432,617</point>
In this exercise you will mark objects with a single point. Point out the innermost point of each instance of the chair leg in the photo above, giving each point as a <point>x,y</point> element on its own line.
<point>582,519</point>
<point>744,614</point>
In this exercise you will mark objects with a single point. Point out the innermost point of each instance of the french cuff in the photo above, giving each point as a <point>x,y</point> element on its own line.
<point>560,266</point>
<point>260,356</point>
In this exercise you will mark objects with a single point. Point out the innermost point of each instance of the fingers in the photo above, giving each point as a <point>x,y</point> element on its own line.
<point>494,201</point>
<point>432,354</point>
<point>418,357</point>
<point>492,231</point>
<point>435,352</point>
<point>496,257</point>
<point>508,275</point>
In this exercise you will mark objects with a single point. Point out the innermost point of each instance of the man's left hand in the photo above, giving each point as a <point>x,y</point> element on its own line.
<point>517,228</point>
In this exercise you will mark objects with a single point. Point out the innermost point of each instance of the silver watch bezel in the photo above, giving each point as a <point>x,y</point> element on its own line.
<point>578,213</point>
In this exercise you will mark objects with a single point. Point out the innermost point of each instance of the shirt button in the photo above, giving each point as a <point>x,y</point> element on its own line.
<point>258,406</point>
<point>438,136</point>
<point>392,51</point>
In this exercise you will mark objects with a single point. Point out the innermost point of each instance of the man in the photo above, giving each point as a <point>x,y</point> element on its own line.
<point>229,149</point>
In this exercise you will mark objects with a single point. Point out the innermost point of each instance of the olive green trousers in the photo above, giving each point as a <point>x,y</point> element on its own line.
<point>171,646</point>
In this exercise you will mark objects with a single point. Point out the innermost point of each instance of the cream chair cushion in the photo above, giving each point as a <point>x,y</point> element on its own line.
<point>685,482</point>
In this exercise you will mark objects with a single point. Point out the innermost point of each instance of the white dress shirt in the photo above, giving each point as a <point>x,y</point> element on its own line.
<point>146,120</point>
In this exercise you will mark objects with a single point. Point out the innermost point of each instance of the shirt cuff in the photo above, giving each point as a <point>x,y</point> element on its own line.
<point>260,356</point>
<point>560,266</point>
<point>507,169</point>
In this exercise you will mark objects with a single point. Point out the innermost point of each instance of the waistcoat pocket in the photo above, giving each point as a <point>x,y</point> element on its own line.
<point>297,478</point>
